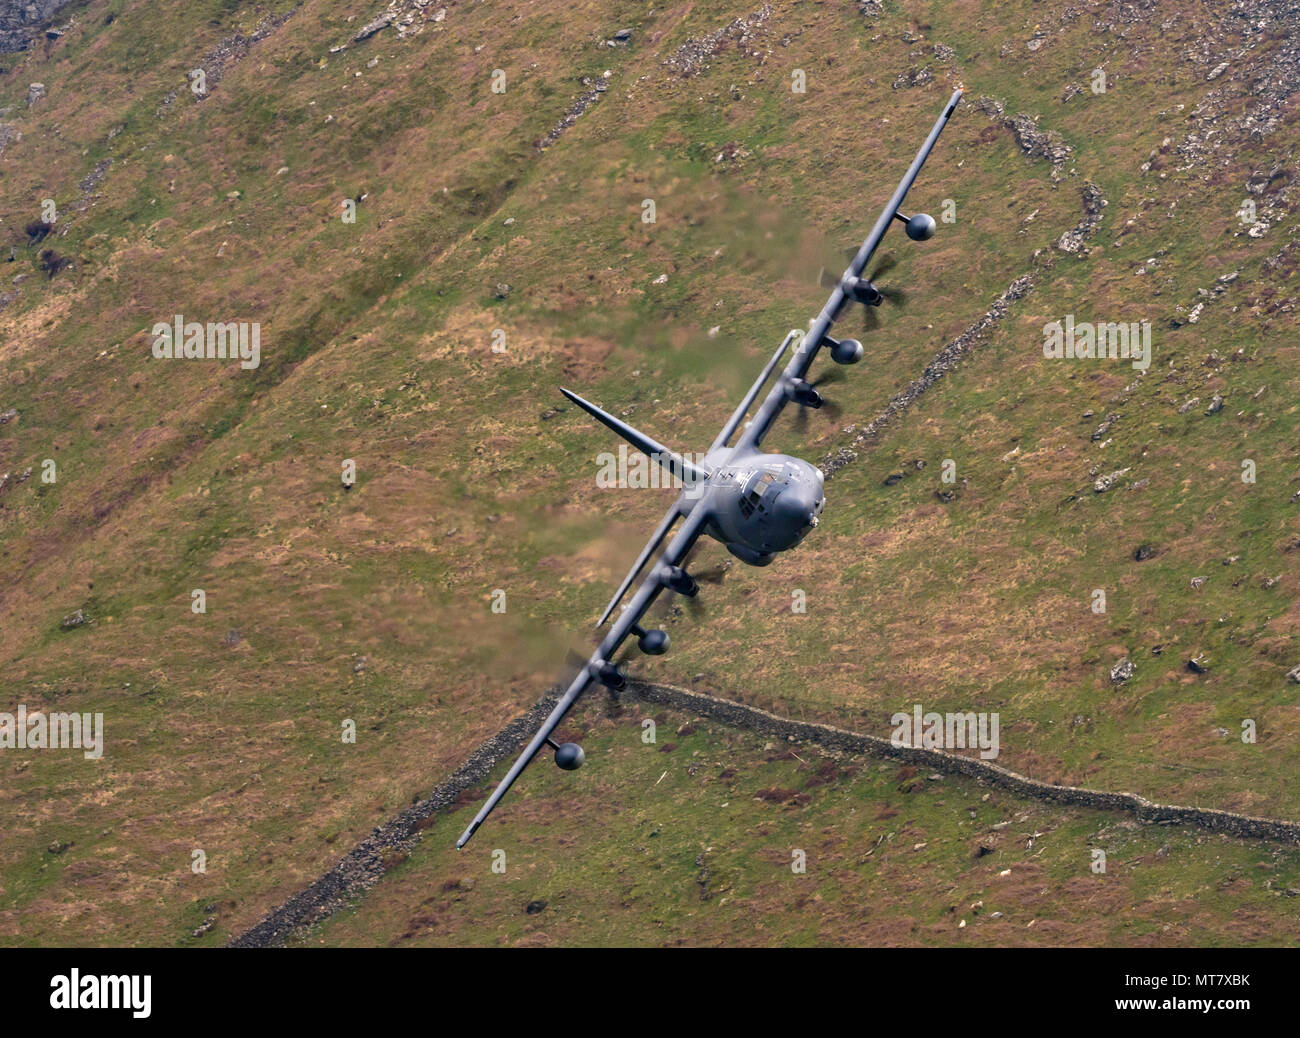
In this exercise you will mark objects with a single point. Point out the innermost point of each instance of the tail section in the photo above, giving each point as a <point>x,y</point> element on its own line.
<point>656,539</point>
<point>738,416</point>
<point>673,462</point>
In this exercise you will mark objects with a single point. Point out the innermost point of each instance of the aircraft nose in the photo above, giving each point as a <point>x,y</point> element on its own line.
<point>798,508</point>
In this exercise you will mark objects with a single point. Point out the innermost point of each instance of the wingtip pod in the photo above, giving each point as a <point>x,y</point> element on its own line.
<point>473,828</point>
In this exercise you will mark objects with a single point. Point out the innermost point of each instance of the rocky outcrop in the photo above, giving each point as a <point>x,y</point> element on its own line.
<point>693,56</point>
<point>21,21</point>
<point>405,17</point>
<point>1033,141</point>
<point>234,47</point>
<point>1253,82</point>
<point>1094,204</point>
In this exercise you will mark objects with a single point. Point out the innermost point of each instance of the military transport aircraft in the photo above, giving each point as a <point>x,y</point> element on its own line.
<point>756,504</point>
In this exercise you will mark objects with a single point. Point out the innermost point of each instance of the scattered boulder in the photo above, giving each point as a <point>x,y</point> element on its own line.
<point>1105,426</point>
<point>1107,482</point>
<point>1073,241</point>
<point>373,26</point>
<point>917,75</point>
<point>693,56</point>
<point>1036,143</point>
<point>1122,671</point>
<point>72,620</point>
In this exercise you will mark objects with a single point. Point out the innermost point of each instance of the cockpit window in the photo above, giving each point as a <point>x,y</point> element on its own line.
<point>755,493</point>
<point>759,487</point>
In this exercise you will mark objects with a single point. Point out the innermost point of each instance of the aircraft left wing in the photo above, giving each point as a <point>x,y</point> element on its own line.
<point>850,287</point>
<point>665,574</point>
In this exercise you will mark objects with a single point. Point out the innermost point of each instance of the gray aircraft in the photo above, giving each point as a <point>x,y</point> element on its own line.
<point>756,504</point>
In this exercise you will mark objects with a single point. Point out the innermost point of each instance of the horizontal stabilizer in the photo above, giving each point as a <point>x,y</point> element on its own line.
<point>655,540</point>
<point>673,462</point>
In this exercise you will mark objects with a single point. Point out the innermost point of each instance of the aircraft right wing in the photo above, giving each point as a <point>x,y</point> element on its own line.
<point>600,667</point>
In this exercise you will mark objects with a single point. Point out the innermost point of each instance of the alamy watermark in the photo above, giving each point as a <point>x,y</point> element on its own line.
<point>935,731</point>
<point>631,469</point>
<point>131,991</point>
<point>215,340</point>
<point>57,731</point>
<point>1084,340</point>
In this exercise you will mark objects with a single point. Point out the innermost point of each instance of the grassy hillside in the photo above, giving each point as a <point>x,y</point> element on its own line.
<point>713,838</point>
<point>371,605</point>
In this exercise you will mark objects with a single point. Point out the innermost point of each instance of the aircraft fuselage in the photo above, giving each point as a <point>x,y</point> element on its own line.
<point>760,504</point>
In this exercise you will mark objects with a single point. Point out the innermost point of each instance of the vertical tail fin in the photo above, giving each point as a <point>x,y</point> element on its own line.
<point>738,416</point>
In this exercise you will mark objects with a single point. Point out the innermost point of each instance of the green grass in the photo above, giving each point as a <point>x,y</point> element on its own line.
<point>376,347</point>
<point>698,845</point>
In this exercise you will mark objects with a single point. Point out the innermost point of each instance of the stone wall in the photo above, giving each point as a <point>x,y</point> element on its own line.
<point>363,866</point>
<point>737,715</point>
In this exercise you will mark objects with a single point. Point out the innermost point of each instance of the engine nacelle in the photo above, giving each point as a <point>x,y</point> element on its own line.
<point>803,394</point>
<point>677,579</point>
<point>845,351</point>
<point>610,676</point>
<point>862,291</point>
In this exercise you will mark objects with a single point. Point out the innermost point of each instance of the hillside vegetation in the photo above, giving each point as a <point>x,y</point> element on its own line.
<point>521,213</point>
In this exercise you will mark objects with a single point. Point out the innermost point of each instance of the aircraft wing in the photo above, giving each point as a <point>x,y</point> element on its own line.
<point>840,298</point>
<point>655,581</point>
